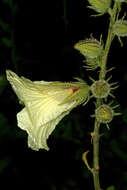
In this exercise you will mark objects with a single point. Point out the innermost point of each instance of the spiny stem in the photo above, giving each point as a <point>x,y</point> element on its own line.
<point>96,156</point>
<point>102,75</point>
<point>108,43</point>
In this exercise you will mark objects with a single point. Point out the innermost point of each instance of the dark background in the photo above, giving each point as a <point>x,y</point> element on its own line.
<point>36,41</point>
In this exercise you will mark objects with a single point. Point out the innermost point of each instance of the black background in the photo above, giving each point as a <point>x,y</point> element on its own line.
<point>43,34</point>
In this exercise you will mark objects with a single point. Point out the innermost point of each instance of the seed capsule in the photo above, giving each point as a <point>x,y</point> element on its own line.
<point>91,48</point>
<point>100,6</point>
<point>120,28</point>
<point>100,89</point>
<point>104,114</point>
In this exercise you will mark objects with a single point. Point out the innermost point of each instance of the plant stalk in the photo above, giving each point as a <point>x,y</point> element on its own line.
<point>109,40</point>
<point>102,75</point>
<point>96,156</point>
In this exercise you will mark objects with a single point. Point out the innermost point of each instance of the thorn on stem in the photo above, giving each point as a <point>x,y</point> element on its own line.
<point>92,135</point>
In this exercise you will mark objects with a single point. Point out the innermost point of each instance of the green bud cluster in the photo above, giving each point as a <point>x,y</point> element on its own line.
<point>100,6</point>
<point>90,48</point>
<point>120,28</point>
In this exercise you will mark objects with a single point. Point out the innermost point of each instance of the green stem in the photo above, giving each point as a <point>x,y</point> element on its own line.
<point>96,156</point>
<point>108,42</point>
<point>13,51</point>
<point>102,75</point>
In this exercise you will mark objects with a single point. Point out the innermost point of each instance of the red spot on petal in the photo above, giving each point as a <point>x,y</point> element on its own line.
<point>74,89</point>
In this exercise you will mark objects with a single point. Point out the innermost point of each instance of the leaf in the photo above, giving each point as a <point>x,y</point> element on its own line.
<point>12,6</point>
<point>7,42</point>
<point>111,188</point>
<point>3,83</point>
<point>4,164</point>
<point>4,26</point>
<point>3,125</point>
<point>125,116</point>
<point>7,2</point>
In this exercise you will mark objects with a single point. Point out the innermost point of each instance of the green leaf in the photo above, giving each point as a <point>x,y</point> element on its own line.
<point>3,125</point>
<point>118,151</point>
<point>125,116</point>
<point>4,164</point>
<point>4,26</point>
<point>111,188</point>
<point>7,42</point>
<point>7,2</point>
<point>3,83</point>
<point>12,5</point>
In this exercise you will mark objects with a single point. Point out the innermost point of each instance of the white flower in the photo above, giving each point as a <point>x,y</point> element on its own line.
<point>46,103</point>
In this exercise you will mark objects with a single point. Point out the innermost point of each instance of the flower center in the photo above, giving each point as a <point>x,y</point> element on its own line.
<point>74,89</point>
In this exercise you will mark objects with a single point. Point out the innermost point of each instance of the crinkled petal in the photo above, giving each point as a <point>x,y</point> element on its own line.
<point>37,137</point>
<point>46,103</point>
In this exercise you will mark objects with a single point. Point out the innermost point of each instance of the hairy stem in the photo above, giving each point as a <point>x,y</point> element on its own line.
<point>108,43</point>
<point>96,156</point>
<point>102,75</point>
<point>13,50</point>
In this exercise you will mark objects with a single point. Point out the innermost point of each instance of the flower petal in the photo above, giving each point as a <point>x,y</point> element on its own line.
<point>46,103</point>
<point>37,137</point>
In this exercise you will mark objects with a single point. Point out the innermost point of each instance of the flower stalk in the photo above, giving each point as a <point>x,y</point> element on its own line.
<point>102,75</point>
<point>110,37</point>
<point>96,156</point>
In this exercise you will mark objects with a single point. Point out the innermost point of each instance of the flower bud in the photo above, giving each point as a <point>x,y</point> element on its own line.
<point>104,113</point>
<point>91,48</point>
<point>100,6</point>
<point>120,28</point>
<point>100,89</point>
